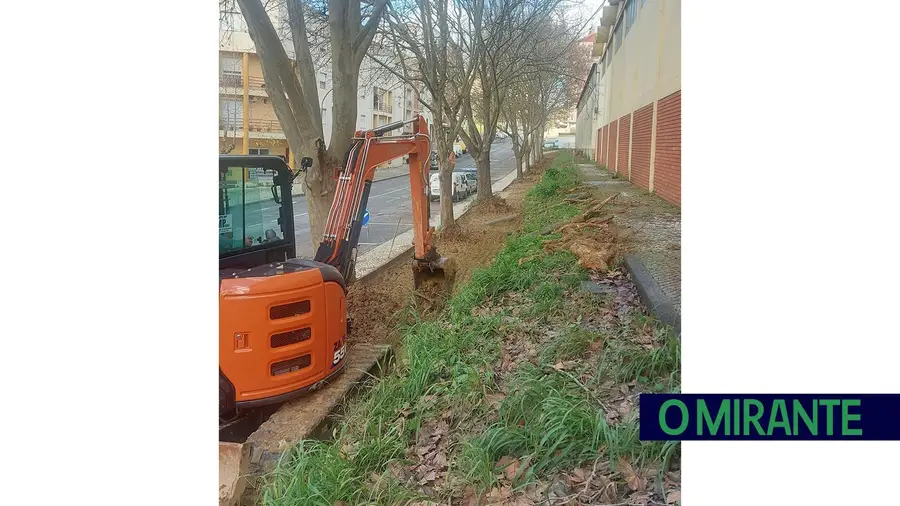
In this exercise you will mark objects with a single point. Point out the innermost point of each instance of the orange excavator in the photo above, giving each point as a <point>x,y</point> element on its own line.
<point>283,323</point>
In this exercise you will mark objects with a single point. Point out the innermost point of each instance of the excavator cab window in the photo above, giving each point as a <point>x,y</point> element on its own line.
<point>250,208</point>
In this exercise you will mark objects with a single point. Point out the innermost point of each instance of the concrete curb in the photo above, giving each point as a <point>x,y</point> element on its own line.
<point>659,304</point>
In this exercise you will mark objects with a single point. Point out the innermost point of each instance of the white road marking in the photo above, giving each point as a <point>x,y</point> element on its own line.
<point>388,192</point>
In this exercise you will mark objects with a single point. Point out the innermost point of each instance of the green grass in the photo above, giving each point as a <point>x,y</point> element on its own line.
<point>446,365</point>
<point>571,344</point>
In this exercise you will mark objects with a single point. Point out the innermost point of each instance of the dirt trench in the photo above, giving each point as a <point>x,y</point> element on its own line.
<point>378,303</point>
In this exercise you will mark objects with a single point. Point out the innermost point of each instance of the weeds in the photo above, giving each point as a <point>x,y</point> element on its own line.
<point>549,419</point>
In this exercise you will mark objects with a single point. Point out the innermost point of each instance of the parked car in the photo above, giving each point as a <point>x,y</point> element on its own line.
<point>472,178</point>
<point>551,143</point>
<point>460,189</point>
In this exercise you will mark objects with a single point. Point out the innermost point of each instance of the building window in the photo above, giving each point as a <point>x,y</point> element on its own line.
<point>382,101</point>
<point>630,14</point>
<point>231,114</point>
<point>322,84</point>
<point>259,151</point>
<point>230,68</point>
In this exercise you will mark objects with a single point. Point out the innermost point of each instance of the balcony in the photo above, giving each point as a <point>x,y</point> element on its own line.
<point>608,16</point>
<point>383,106</point>
<point>229,80</point>
<point>265,125</point>
<point>256,125</point>
<point>256,82</point>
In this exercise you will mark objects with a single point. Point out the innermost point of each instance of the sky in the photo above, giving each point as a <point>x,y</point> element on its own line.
<point>587,8</point>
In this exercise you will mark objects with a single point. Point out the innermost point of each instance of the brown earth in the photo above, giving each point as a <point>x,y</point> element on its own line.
<point>378,303</point>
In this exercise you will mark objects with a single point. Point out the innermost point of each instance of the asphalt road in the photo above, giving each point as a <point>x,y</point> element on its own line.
<point>390,204</point>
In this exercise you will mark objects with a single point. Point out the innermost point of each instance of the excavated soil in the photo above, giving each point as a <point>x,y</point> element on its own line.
<point>378,303</point>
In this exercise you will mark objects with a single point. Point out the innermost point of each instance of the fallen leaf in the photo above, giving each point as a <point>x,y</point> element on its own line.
<point>607,488</point>
<point>635,482</point>
<point>440,460</point>
<point>639,499</point>
<point>499,495</point>
<point>470,497</point>
<point>578,475</point>
<point>440,429</point>
<point>673,497</point>
<point>509,466</point>
<point>494,400</point>
<point>559,366</point>
<point>521,501</point>
<point>429,477</point>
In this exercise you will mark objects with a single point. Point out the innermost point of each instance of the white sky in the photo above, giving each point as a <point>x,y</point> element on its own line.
<point>587,8</point>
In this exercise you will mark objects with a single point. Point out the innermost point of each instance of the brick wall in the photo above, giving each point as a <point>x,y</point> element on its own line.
<point>622,147</point>
<point>604,136</point>
<point>640,150</point>
<point>613,138</point>
<point>667,163</point>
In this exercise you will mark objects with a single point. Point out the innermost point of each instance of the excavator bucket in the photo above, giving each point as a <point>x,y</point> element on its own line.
<point>433,277</point>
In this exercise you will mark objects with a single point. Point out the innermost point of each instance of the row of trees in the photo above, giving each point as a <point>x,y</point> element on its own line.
<point>480,66</point>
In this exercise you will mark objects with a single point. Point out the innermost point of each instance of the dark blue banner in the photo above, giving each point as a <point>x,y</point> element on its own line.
<point>777,417</point>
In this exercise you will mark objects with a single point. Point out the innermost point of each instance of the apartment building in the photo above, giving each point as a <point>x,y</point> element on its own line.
<point>247,120</point>
<point>629,111</point>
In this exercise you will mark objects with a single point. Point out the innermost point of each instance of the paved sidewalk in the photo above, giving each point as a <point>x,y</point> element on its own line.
<point>654,230</point>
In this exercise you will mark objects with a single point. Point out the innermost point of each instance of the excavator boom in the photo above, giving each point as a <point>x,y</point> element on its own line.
<point>370,149</point>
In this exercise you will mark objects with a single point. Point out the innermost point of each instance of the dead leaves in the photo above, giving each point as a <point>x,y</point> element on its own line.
<point>635,481</point>
<point>673,497</point>
<point>509,466</point>
<point>431,453</point>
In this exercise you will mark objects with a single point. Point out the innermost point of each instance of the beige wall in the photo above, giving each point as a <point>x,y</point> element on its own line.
<point>647,66</point>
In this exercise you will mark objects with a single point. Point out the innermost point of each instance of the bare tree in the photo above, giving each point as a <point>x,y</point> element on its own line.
<point>511,29</point>
<point>434,47</point>
<point>292,86</point>
<point>546,87</point>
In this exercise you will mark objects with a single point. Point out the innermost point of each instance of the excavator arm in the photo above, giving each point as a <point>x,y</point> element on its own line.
<point>371,148</point>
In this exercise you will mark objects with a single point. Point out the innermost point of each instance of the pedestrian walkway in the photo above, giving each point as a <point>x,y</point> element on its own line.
<point>652,227</point>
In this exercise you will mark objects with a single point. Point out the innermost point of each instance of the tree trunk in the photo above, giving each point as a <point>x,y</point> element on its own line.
<point>518,166</point>
<point>319,192</point>
<point>484,175</point>
<point>446,178</point>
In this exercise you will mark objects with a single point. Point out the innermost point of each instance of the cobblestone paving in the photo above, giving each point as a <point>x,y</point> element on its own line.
<point>654,227</point>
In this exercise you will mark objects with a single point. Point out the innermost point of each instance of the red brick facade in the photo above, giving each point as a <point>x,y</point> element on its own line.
<point>613,138</point>
<point>613,144</point>
<point>622,147</point>
<point>603,142</point>
<point>640,149</point>
<point>667,164</point>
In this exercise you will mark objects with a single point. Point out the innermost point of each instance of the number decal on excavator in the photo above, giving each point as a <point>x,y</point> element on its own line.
<point>340,350</point>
